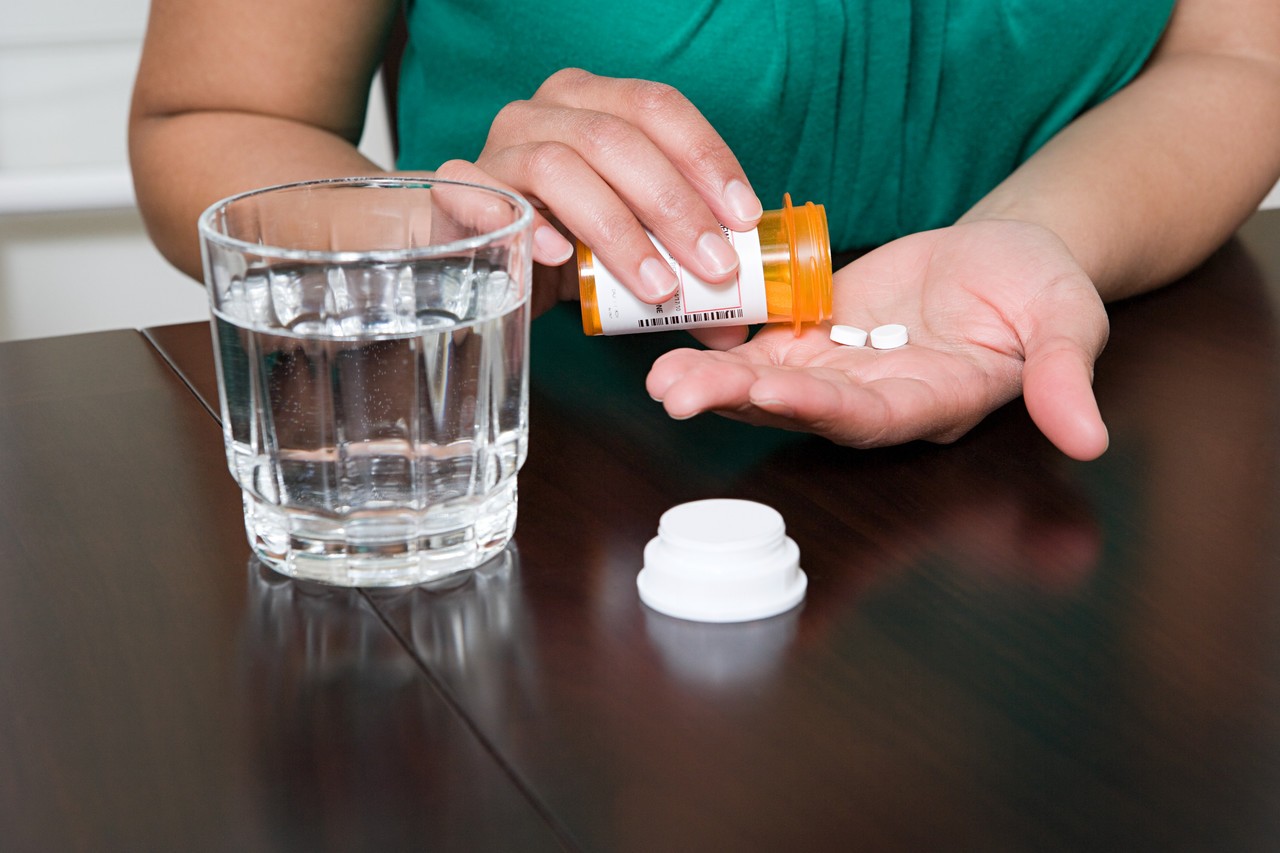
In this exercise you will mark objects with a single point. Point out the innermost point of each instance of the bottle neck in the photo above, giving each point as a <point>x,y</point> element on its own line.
<point>795,249</point>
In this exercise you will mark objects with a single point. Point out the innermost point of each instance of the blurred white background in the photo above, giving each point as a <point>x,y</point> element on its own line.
<point>73,253</point>
<point>74,256</point>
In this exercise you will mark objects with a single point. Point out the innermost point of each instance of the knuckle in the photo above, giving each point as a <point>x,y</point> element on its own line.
<point>656,99</point>
<point>613,229</point>
<point>705,155</point>
<point>603,133</point>
<point>511,115</point>
<point>455,168</point>
<point>545,161</point>
<point>669,204</point>
<point>565,78</point>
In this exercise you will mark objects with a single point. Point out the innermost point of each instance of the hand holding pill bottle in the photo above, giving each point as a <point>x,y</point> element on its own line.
<point>784,276</point>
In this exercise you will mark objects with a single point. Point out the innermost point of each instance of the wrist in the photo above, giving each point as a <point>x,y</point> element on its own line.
<point>1081,236</point>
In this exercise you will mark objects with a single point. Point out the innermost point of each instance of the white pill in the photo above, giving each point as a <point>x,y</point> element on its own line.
<point>850,336</point>
<point>888,337</point>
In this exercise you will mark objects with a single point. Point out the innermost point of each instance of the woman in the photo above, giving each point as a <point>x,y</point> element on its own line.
<point>1018,164</point>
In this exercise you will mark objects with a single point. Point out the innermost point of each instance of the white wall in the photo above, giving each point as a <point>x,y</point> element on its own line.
<point>73,253</point>
<point>1273,199</point>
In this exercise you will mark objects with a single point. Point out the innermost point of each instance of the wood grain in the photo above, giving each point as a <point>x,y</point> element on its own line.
<point>160,691</point>
<point>1000,648</point>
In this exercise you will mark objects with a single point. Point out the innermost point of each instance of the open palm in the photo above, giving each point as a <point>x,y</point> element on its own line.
<point>994,308</point>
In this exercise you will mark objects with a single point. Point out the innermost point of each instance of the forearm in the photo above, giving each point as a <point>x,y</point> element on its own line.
<point>220,108</point>
<point>185,162</point>
<point>1146,185</point>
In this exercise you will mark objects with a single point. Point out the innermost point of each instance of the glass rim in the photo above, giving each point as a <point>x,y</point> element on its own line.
<point>209,233</point>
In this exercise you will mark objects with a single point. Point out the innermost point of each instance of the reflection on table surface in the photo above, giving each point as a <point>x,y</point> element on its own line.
<point>1000,648</point>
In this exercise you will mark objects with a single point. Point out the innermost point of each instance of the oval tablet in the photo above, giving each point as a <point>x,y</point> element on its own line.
<point>850,336</point>
<point>889,337</point>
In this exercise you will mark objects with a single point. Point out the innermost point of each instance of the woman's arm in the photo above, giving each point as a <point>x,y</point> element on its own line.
<point>1009,300</point>
<point>236,94</point>
<point>1145,186</point>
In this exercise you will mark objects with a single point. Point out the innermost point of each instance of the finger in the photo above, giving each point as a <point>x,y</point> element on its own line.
<point>1057,377</point>
<point>807,399</point>
<point>583,202</point>
<point>828,403</point>
<point>720,337</point>
<point>549,246</point>
<point>1058,390</point>
<point>689,382</point>
<point>676,126</point>
<point>825,401</point>
<point>649,185</point>
<point>874,413</point>
<point>667,370</point>
<point>552,285</point>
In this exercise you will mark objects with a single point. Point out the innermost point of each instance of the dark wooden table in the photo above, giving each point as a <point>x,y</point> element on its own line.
<point>1000,649</point>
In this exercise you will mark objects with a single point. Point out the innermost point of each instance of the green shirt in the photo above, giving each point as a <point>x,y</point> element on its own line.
<point>895,114</point>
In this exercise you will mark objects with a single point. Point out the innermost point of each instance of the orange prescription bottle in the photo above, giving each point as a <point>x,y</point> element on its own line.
<point>784,276</point>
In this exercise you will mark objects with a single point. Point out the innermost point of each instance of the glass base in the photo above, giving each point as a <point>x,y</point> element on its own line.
<point>381,547</point>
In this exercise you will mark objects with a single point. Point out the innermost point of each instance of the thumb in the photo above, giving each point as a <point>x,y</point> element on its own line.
<point>1057,374</point>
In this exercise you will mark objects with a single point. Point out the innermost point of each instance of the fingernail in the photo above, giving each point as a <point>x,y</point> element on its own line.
<point>550,243</point>
<point>742,202</point>
<point>658,279</point>
<point>716,254</point>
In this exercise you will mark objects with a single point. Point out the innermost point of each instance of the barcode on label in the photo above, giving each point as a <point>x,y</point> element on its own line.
<point>682,319</point>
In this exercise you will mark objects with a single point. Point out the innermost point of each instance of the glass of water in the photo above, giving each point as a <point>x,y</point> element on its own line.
<point>371,338</point>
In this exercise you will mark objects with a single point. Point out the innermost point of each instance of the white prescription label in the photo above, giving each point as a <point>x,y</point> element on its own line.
<point>696,303</point>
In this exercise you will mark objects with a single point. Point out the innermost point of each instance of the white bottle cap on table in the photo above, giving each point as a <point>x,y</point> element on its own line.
<point>721,560</point>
